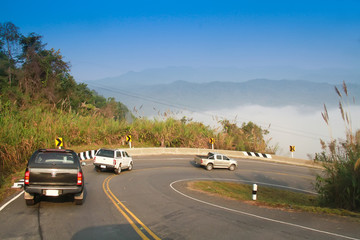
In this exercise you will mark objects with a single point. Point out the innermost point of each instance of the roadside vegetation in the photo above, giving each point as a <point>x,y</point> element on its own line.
<point>339,185</point>
<point>268,197</point>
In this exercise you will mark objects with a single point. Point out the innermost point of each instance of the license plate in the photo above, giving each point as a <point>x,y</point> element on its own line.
<point>53,193</point>
<point>102,166</point>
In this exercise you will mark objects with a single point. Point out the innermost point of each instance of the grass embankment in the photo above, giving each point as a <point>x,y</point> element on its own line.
<point>268,197</point>
<point>27,128</point>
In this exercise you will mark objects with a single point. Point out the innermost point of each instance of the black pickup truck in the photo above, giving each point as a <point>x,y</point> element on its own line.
<point>53,172</point>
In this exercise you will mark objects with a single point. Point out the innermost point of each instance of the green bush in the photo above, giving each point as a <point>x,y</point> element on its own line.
<point>339,186</point>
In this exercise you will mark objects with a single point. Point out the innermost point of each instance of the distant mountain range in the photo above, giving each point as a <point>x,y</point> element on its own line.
<point>179,88</point>
<point>231,74</point>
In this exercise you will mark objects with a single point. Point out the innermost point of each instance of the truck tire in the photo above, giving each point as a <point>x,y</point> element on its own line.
<point>232,167</point>
<point>79,199</point>
<point>29,199</point>
<point>118,170</point>
<point>29,202</point>
<point>209,167</point>
<point>130,166</point>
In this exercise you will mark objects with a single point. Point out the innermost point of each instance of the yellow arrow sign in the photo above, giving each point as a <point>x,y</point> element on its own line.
<point>59,142</point>
<point>212,140</point>
<point>292,148</point>
<point>128,138</point>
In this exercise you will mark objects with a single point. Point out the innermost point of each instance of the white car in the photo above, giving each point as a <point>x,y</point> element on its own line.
<point>114,159</point>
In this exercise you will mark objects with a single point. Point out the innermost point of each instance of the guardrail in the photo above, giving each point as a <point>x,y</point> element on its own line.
<point>202,151</point>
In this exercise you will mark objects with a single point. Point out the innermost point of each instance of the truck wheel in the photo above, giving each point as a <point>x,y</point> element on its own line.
<point>29,199</point>
<point>232,167</point>
<point>97,169</point>
<point>209,167</point>
<point>30,202</point>
<point>118,170</point>
<point>130,167</point>
<point>79,199</point>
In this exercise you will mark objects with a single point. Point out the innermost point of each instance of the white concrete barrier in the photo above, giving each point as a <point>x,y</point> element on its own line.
<point>204,151</point>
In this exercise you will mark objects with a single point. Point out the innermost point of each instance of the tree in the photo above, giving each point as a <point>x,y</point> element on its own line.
<point>3,71</point>
<point>10,37</point>
<point>44,71</point>
<point>31,44</point>
<point>249,137</point>
<point>31,48</point>
<point>43,75</point>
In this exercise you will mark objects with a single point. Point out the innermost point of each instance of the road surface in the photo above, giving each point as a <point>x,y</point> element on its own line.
<point>153,202</point>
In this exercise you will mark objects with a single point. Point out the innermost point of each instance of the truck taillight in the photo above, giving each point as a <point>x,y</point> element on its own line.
<point>94,158</point>
<point>202,161</point>
<point>27,178</point>
<point>114,162</point>
<point>79,178</point>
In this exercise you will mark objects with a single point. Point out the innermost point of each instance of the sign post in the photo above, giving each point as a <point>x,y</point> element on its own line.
<point>254,192</point>
<point>292,150</point>
<point>128,139</point>
<point>59,142</point>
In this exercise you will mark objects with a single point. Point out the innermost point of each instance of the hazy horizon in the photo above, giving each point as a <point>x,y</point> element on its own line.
<point>288,125</point>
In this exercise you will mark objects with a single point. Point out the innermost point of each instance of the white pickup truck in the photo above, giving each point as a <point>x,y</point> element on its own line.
<point>215,160</point>
<point>114,159</point>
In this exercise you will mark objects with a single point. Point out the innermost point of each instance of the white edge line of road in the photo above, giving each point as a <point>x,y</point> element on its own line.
<point>250,214</point>
<point>3,206</point>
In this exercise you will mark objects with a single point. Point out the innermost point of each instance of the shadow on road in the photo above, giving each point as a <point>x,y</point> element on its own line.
<point>116,231</point>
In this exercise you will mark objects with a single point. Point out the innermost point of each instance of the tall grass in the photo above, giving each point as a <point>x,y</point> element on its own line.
<point>25,129</point>
<point>339,185</point>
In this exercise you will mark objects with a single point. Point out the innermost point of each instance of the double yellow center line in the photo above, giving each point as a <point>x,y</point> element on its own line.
<point>135,223</point>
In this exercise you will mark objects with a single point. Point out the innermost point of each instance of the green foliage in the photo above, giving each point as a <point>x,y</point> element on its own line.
<point>266,196</point>
<point>248,137</point>
<point>339,185</point>
<point>42,75</point>
<point>3,71</point>
<point>171,133</point>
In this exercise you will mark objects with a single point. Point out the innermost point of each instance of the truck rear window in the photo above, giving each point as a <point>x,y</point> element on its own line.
<point>105,153</point>
<point>54,158</point>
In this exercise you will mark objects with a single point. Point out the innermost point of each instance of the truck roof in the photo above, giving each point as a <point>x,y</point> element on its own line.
<point>112,149</point>
<point>55,150</point>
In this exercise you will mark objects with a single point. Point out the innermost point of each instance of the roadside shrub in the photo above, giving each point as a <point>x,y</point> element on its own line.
<point>339,185</point>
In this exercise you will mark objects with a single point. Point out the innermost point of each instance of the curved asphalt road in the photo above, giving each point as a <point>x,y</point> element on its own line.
<point>152,202</point>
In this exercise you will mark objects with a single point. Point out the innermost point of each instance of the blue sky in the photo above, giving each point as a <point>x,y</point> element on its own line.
<point>108,38</point>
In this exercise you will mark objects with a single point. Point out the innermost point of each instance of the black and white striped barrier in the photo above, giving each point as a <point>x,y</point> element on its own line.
<point>87,154</point>
<point>252,154</point>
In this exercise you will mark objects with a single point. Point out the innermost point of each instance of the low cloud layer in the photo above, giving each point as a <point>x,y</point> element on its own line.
<point>297,126</point>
